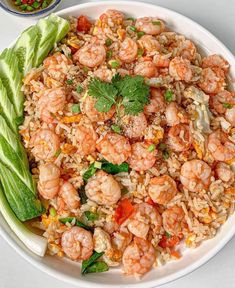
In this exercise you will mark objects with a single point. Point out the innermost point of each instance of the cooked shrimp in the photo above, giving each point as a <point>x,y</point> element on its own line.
<point>162,189</point>
<point>173,220</point>
<point>150,25</point>
<point>187,50</point>
<point>195,175</point>
<point>103,189</point>
<point>214,61</point>
<point>114,148</point>
<point>128,50</point>
<point>88,108</point>
<point>145,69</point>
<point>161,61</point>
<point>134,126</point>
<point>212,80</point>
<point>49,180</point>
<point>218,102</point>
<point>86,137</point>
<point>221,148</point>
<point>144,217</point>
<point>45,143</point>
<point>181,69</point>
<point>112,17</point>
<point>139,257</point>
<point>50,102</point>
<point>70,195</point>
<point>57,66</point>
<point>141,158</point>
<point>224,172</point>
<point>149,43</point>
<point>175,115</point>
<point>179,138</point>
<point>157,102</point>
<point>103,74</point>
<point>230,116</point>
<point>77,243</point>
<point>91,55</point>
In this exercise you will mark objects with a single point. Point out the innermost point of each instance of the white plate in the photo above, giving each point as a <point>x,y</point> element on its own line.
<point>69,271</point>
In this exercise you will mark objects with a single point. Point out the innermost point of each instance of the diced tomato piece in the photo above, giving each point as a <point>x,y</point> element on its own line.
<point>24,1</point>
<point>83,24</point>
<point>30,2</point>
<point>176,254</point>
<point>123,211</point>
<point>169,242</point>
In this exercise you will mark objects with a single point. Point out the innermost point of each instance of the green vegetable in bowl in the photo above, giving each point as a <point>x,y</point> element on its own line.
<point>77,223</point>
<point>33,242</point>
<point>97,267</point>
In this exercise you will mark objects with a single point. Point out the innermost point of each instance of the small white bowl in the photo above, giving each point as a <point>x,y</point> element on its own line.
<point>10,8</point>
<point>69,271</point>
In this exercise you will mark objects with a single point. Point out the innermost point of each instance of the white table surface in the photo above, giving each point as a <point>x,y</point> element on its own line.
<point>218,17</point>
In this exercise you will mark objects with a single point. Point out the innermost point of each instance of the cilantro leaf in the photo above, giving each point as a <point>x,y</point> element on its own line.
<point>105,93</point>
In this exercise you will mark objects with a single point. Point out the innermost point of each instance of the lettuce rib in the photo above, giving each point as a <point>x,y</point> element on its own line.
<point>7,109</point>
<point>25,48</point>
<point>13,155</point>
<point>25,205</point>
<point>12,79</point>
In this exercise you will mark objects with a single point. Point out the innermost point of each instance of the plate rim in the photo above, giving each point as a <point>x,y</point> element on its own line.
<point>151,283</point>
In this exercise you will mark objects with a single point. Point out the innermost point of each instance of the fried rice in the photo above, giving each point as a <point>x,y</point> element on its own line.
<point>185,94</point>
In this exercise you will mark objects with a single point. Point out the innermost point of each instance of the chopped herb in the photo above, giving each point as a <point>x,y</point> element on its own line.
<point>116,128</point>
<point>97,165</point>
<point>69,81</point>
<point>133,28</point>
<point>140,34</point>
<point>165,154</point>
<point>162,146</point>
<point>168,235</point>
<point>97,267</point>
<point>168,95</point>
<point>18,2</point>
<point>77,223</point>
<point>227,105</point>
<point>76,108</point>
<point>156,23</point>
<point>109,54</point>
<point>91,216</point>
<point>57,153</point>
<point>140,52</point>
<point>114,64</point>
<point>89,172</point>
<point>114,168</point>
<point>85,69</point>
<point>86,263</point>
<point>36,5</point>
<point>131,19</point>
<point>79,88</point>
<point>44,4</point>
<point>23,7</point>
<point>108,42</point>
<point>52,211</point>
<point>151,148</point>
<point>82,195</point>
<point>124,191</point>
<point>29,8</point>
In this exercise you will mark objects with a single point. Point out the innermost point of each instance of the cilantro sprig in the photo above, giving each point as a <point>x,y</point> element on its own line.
<point>130,92</point>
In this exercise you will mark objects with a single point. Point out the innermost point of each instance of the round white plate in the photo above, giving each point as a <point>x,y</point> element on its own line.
<point>69,271</point>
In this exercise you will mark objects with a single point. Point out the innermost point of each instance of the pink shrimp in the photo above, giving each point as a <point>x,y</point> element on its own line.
<point>69,195</point>
<point>145,69</point>
<point>215,61</point>
<point>157,102</point>
<point>149,43</point>
<point>212,80</point>
<point>150,25</point>
<point>134,126</point>
<point>179,138</point>
<point>128,50</point>
<point>174,220</point>
<point>180,69</point>
<point>114,148</point>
